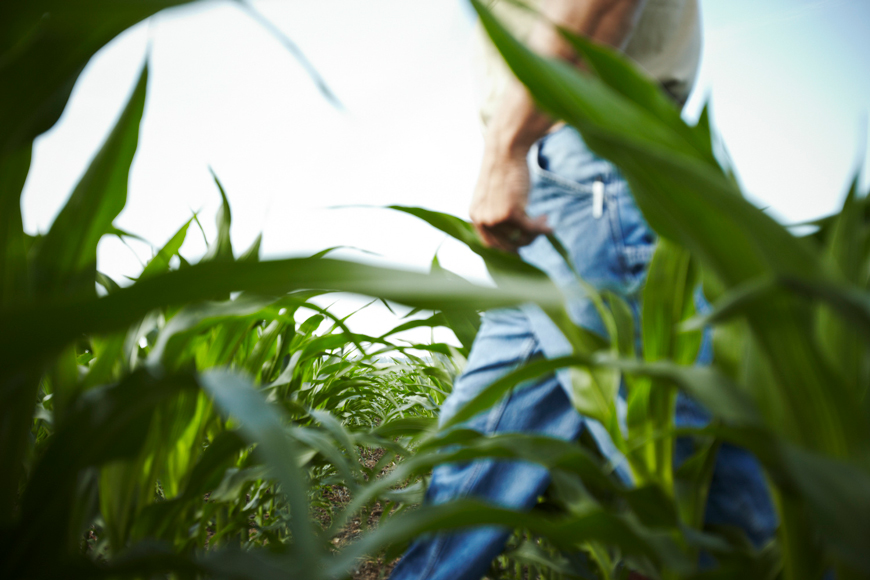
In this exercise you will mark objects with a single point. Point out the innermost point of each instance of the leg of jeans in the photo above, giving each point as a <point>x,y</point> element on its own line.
<point>504,341</point>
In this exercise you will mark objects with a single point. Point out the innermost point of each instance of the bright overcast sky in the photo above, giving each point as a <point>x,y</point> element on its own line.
<point>787,78</point>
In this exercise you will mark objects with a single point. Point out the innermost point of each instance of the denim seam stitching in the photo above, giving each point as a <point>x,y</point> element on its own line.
<point>563,182</point>
<point>616,233</point>
<point>638,254</point>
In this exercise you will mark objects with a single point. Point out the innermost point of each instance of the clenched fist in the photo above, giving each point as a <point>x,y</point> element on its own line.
<point>498,208</point>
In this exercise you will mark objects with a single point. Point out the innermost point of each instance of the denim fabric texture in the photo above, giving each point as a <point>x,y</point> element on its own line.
<point>610,246</point>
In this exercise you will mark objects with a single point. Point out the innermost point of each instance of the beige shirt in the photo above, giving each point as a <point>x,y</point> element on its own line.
<point>666,43</point>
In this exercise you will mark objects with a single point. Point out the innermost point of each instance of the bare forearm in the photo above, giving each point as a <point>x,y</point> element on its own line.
<point>517,123</point>
<point>498,207</point>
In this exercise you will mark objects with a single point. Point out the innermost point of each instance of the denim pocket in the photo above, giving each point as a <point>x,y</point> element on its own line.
<point>541,169</point>
<point>561,158</point>
<point>589,207</point>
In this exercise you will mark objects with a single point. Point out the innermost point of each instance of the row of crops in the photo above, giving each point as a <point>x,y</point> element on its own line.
<point>210,419</point>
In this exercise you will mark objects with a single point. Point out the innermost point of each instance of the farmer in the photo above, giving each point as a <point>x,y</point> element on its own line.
<point>538,176</point>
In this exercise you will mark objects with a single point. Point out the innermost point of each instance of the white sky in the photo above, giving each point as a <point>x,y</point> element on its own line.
<point>788,81</point>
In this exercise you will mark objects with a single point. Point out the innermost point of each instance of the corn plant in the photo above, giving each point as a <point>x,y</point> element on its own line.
<point>792,311</point>
<point>115,427</point>
<point>184,424</point>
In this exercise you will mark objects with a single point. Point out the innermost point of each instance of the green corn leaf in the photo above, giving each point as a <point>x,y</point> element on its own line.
<point>108,353</point>
<point>261,424</point>
<point>497,262</point>
<point>13,247</point>
<point>431,322</point>
<point>66,257</point>
<point>149,558</point>
<point>834,491</point>
<point>56,38</point>
<point>121,234</point>
<point>264,348</point>
<point>253,252</point>
<point>106,424</point>
<point>335,428</point>
<point>707,385</point>
<point>293,49</point>
<point>692,482</point>
<point>221,249</point>
<point>186,421</point>
<point>845,247</point>
<point>106,282</point>
<point>850,303</point>
<point>323,344</point>
<point>311,324</point>
<point>623,321</point>
<point>828,485</point>
<point>490,395</point>
<point>504,266</point>
<point>190,321</point>
<point>120,309</point>
<point>845,342</point>
<point>531,555</point>
<point>668,299</point>
<point>18,396</point>
<point>160,262</point>
<point>566,534</point>
<point>463,323</point>
<point>229,338</point>
<point>321,443</point>
<point>591,396</point>
<point>554,454</point>
<point>653,507</point>
<point>408,426</point>
<point>210,465</point>
<point>735,302</point>
<point>624,78</point>
<point>235,481</point>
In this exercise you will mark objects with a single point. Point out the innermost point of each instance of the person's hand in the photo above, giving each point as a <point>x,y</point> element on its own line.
<point>498,208</point>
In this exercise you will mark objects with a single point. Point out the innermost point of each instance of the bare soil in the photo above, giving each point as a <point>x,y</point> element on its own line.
<point>337,498</point>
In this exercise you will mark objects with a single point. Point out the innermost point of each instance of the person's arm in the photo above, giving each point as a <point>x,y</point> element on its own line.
<point>498,208</point>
